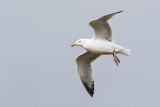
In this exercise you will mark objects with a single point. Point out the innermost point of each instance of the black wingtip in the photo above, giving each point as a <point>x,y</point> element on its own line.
<point>89,90</point>
<point>117,12</point>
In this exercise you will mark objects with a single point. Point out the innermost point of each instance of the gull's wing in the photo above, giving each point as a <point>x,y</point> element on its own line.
<point>85,70</point>
<point>102,28</point>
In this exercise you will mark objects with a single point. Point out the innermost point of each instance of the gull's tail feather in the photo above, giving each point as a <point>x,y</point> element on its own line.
<point>126,52</point>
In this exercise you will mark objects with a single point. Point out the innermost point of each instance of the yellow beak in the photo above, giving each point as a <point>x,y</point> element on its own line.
<point>73,45</point>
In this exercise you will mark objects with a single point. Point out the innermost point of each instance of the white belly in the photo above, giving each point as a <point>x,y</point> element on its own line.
<point>103,47</point>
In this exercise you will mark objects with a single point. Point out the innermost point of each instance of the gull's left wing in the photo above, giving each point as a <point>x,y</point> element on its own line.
<point>85,70</point>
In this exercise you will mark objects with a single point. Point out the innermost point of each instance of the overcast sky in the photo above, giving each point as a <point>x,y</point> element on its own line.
<point>37,64</point>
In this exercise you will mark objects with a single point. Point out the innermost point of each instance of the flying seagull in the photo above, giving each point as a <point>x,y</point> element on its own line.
<point>102,43</point>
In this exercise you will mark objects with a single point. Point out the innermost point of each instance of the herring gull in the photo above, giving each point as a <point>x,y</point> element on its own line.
<point>102,43</point>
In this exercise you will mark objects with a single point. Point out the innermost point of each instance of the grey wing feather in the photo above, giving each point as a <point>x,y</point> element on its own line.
<point>85,70</point>
<point>102,28</point>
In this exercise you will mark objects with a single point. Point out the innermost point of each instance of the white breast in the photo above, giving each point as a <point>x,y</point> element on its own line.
<point>102,47</point>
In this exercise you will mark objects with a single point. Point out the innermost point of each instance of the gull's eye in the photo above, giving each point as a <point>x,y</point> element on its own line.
<point>79,41</point>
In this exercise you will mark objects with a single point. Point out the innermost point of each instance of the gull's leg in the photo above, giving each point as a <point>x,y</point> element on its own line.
<point>115,58</point>
<point>116,61</point>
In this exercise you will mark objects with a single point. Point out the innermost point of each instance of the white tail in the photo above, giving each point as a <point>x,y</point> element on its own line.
<point>126,52</point>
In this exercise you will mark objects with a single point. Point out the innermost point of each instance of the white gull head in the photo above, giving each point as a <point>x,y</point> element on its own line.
<point>81,42</point>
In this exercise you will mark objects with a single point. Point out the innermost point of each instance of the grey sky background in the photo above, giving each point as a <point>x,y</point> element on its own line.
<point>37,64</point>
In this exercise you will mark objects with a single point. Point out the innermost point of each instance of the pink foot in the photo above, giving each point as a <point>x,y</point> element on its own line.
<point>116,62</point>
<point>115,58</point>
